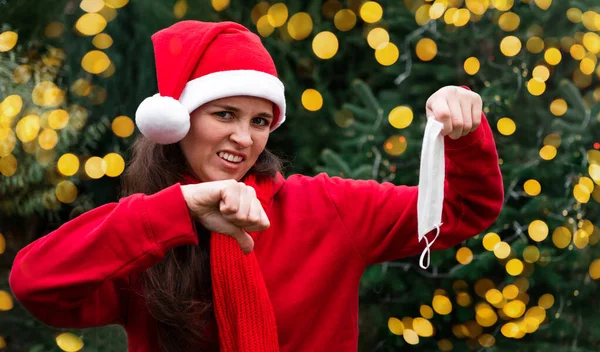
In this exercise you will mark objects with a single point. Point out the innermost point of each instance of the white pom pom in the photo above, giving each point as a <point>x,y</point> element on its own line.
<point>162,119</point>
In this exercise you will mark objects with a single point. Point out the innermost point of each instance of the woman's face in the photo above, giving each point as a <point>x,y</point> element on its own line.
<point>226,137</point>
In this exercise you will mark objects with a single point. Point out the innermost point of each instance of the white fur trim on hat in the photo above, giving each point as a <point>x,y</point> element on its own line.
<point>162,119</point>
<point>224,84</point>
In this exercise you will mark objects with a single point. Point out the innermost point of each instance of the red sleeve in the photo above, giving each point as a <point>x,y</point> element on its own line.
<point>382,218</point>
<point>78,275</point>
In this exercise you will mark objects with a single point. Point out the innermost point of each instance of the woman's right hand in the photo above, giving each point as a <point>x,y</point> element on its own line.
<point>228,207</point>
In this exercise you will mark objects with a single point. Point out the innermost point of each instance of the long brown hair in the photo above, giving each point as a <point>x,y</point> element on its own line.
<point>178,290</point>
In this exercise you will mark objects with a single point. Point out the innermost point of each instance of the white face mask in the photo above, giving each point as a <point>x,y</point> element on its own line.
<point>431,186</point>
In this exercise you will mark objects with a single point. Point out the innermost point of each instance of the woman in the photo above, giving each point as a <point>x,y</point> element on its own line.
<point>165,261</point>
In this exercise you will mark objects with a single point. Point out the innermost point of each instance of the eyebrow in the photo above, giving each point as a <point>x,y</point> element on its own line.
<point>236,109</point>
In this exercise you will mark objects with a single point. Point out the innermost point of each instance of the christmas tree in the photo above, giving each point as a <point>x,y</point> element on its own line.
<point>357,75</point>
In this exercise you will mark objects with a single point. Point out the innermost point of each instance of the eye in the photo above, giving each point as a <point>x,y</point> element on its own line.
<point>261,121</point>
<point>226,115</point>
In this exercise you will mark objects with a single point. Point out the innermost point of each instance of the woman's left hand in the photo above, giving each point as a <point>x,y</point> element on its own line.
<point>457,108</point>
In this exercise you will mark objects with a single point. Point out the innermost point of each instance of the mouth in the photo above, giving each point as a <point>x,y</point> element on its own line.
<point>230,158</point>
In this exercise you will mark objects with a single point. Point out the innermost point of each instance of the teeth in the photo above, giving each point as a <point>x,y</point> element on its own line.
<point>229,157</point>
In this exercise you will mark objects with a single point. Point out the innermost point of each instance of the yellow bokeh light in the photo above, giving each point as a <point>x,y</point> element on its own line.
<point>548,152</point>
<point>502,250</point>
<point>437,10</point>
<point>69,342</point>
<point>8,165</point>
<point>514,309</point>
<point>509,21</point>
<point>426,311</point>
<point>506,126</point>
<point>546,301</point>
<point>48,139</point>
<point>395,145</point>
<point>300,26</point>
<point>510,46</point>
<point>47,94</point>
<point>378,37</point>
<point>220,5</point>
<point>95,167</point>
<point>591,41</point>
<point>464,255</point>
<point>532,187</point>
<point>387,55</point>
<point>2,244</point>
<point>561,237</point>
<point>95,62</point>
<point>277,14</point>
<point>494,296</point>
<point>11,106</point>
<point>58,119</point>
<point>541,72</point>
<point>422,327</point>
<point>410,336</point>
<point>581,239</point>
<point>558,107</point>
<point>490,241</point>
<point>471,65</point>
<point>536,87</point>
<point>371,12</point>
<point>395,325</point>
<point>445,345</point>
<point>510,291</point>
<point>68,164</point>
<point>538,230</point>
<point>593,156</point>
<point>581,193</point>
<point>400,117</point>
<point>482,286</point>
<point>66,192</point>
<point>461,17</point>
<point>514,267</point>
<point>180,9</point>
<point>344,20</point>
<point>114,164</point>
<point>486,340</point>
<point>6,301</point>
<point>477,7</point>
<point>587,66</point>
<point>259,10</point>
<point>552,56</point>
<point>91,5</point>
<point>312,100</point>
<point>422,14</point>
<point>325,45</point>
<point>22,74</point>
<point>7,144</point>
<point>28,128</point>
<point>449,15</point>
<point>594,171</point>
<point>535,45</point>
<point>442,305</point>
<point>426,49</point>
<point>116,4</point>
<point>54,29</point>
<point>510,329</point>
<point>90,24</point>
<point>587,183</point>
<point>102,41</point>
<point>531,254</point>
<point>123,126</point>
<point>464,299</point>
<point>594,269</point>
<point>543,4</point>
<point>485,315</point>
<point>8,40</point>
<point>503,5</point>
<point>263,26</point>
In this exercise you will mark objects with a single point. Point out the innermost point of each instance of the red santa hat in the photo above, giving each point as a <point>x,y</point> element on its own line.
<point>197,62</point>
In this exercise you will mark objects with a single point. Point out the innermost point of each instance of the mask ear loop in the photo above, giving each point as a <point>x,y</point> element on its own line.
<point>427,251</point>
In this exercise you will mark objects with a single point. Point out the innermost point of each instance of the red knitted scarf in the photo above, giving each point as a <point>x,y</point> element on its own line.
<point>242,306</point>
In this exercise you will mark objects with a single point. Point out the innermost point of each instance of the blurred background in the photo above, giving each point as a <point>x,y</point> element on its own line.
<point>357,75</point>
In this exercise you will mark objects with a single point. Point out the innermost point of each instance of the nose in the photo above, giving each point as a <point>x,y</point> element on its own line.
<point>242,136</point>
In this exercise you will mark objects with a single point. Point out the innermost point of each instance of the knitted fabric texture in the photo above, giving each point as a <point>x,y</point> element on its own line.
<point>243,309</point>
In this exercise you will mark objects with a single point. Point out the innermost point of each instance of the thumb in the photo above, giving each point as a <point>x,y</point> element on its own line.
<point>243,238</point>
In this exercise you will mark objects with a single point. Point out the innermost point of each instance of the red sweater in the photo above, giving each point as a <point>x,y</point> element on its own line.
<point>324,232</point>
